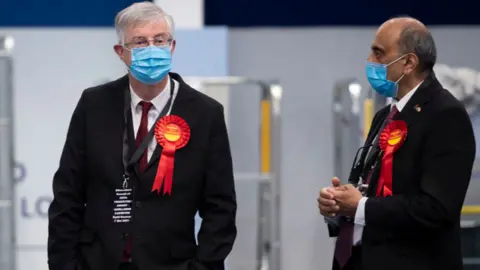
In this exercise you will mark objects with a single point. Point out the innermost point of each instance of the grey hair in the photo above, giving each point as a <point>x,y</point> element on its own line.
<point>419,41</point>
<point>141,13</point>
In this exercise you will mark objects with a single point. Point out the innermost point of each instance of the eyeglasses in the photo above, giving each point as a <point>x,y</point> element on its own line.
<point>142,42</point>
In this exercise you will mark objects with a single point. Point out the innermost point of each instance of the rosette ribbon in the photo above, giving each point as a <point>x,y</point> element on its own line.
<point>390,140</point>
<point>172,133</point>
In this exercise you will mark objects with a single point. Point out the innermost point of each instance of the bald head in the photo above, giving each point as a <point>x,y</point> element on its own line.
<point>413,37</point>
<point>403,22</point>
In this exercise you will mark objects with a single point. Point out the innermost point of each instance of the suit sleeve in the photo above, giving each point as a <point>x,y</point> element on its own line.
<point>446,168</point>
<point>67,208</point>
<point>218,207</point>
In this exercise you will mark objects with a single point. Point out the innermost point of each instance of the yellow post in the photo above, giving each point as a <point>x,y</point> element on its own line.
<point>265,143</point>
<point>367,116</point>
<point>471,210</point>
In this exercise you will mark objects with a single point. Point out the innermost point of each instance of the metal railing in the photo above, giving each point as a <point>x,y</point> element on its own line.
<point>7,217</point>
<point>268,232</point>
<point>348,131</point>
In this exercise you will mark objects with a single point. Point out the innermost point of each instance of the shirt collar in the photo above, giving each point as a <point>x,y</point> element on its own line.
<point>403,101</point>
<point>156,101</point>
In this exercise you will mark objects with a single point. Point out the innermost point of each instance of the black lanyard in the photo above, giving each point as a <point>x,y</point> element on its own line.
<point>129,163</point>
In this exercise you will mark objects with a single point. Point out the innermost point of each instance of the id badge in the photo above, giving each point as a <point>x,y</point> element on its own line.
<point>122,205</point>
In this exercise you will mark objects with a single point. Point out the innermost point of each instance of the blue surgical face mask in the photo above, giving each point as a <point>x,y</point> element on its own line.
<point>377,77</point>
<point>150,64</point>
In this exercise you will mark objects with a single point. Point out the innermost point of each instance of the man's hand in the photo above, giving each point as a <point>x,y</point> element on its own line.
<point>326,204</point>
<point>346,199</point>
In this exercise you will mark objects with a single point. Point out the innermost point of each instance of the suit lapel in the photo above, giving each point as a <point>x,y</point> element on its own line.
<point>156,153</point>
<point>114,122</point>
<point>424,93</point>
<point>377,125</point>
<point>132,145</point>
<point>375,129</point>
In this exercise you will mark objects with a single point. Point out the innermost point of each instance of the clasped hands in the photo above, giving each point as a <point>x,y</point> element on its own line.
<point>338,199</point>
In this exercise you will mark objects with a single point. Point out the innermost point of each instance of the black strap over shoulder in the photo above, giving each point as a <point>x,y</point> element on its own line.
<point>129,162</point>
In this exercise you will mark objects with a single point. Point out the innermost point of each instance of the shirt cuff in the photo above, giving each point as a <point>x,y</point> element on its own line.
<point>360,213</point>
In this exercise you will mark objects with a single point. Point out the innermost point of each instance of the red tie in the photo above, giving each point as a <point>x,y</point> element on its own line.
<point>142,133</point>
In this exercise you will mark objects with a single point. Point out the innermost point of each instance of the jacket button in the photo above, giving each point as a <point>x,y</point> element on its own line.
<point>124,236</point>
<point>138,204</point>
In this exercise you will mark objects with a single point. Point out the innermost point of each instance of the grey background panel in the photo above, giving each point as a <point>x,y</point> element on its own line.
<point>244,127</point>
<point>243,255</point>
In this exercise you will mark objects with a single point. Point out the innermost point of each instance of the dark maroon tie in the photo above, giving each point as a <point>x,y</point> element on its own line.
<point>344,244</point>
<point>391,115</point>
<point>141,134</point>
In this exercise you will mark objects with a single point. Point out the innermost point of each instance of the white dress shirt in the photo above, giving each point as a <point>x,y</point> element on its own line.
<point>360,213</point>
<point>159,103</point>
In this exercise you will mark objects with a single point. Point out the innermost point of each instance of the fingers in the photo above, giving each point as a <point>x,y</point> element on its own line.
<point>326,193</point>
<point>336,182</point>
<point>340,193</point>
<point>326,204</point>
<point>328,210</point>
<point>336,189</point>
<point>337,192</point>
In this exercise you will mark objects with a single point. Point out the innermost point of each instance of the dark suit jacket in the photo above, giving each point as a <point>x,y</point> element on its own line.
<point>419,226</point>
<point>81,232</point>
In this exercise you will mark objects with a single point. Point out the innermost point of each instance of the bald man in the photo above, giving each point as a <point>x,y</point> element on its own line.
<point>414,170</point>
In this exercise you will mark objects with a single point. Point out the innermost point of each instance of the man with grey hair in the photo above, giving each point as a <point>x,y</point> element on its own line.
<point>401,208</point>
<point>142,155</point>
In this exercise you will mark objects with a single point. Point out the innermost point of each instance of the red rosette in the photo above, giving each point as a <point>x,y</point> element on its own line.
<point>390,140</point>
<point>172,133</point>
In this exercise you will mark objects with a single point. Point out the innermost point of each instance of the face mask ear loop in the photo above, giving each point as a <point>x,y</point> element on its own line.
<point>394,61</point>
<point>400,78</point>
